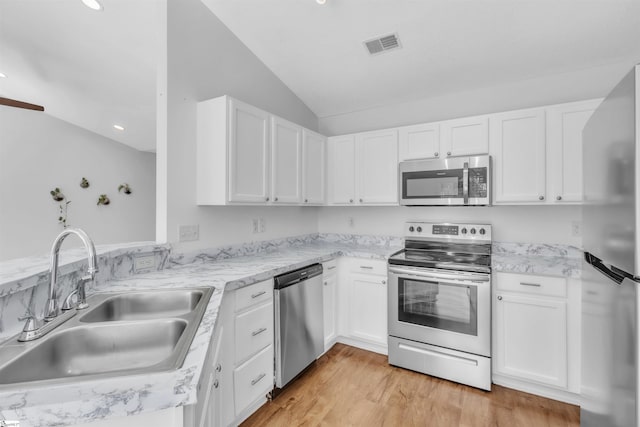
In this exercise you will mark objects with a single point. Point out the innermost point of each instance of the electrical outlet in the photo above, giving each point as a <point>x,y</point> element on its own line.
<point>145,262</point>
<point>576,228</point>
<point>351,222</point>
<point>262,225</point>
<point>188,233</point>
<point>255,225</point>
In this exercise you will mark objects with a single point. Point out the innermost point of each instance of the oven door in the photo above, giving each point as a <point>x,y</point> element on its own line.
<point>444,308</point>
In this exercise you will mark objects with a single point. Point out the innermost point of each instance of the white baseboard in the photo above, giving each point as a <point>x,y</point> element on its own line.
<point>365,345</point>
<point>539,390</point>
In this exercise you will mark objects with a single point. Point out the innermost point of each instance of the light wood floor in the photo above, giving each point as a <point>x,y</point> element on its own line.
<point>352,387</point>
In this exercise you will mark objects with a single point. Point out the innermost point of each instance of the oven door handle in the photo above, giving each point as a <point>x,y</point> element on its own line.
<point>474,277</point>
<point>465,183</point>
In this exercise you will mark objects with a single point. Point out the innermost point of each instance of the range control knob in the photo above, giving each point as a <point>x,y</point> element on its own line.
<point>419,229</point>
<point>464,231</point>
<point>411,229</point>
<point>473,231</point>
<point>482,231</point>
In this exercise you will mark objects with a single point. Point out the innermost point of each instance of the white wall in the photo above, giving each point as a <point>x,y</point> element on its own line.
<point>206,60</point>
<point>38,153</point>
<point>539,91</point>
<point>532,224</point>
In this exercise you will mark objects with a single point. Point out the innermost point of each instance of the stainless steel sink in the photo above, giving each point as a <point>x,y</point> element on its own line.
<point>144,305</point>
<point>120,334</point>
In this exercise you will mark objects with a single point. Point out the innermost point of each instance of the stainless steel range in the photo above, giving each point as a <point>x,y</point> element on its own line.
<point>440,302</point>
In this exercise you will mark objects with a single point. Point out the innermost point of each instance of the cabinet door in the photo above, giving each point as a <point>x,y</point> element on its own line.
<point>518,150</point>
<point>248,153</point>
<point>531,341</point>
<point>368,307</point>
<point>377,167</point>
<point>314,148</point>
<point>564,149</point>
<point>464,137</point>
<point>286,161</point>
<point>419,141</point>
<point>329,306</point>
<point>341,170</point>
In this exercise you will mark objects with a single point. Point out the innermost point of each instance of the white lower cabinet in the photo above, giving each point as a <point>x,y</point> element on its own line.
<point>536,334</point>
<point>329,295</point>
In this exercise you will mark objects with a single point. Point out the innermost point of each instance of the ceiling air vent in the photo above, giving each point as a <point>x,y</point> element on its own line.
<point>383,44</point>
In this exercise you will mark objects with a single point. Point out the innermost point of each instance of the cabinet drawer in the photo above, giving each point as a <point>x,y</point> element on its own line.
<point>254,294</point>
<point>253,379</point>
<point>536,285</point>
<point>254,331</point>
<point>330,267</point>
<point>369,266</point>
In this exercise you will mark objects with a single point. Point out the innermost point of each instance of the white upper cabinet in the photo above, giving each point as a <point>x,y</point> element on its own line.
<point>460,137</point>
<point>564,150</point>
<point>314,166</point>
<point>248,153</point>
<point>286,161</point>
<point>517,144</point>
<point>341,170</point>
<point>463,137</point>
<point>419,141</point>
<point>377,167</point>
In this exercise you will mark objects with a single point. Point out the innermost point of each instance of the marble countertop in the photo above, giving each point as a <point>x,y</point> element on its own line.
<point>86,400</point>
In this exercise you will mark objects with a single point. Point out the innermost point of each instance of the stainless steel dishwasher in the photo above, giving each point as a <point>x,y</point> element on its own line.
<point>299,325</point>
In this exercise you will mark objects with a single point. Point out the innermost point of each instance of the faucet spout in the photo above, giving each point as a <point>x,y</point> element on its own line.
<point>51,308</point>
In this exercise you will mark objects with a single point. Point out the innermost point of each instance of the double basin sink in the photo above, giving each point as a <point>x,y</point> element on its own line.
<point>121,333</point>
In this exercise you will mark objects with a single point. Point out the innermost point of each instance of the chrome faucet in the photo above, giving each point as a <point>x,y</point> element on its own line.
<point>35,328</point>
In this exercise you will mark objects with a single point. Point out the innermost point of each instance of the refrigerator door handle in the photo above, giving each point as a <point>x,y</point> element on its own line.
<point>598,265</point>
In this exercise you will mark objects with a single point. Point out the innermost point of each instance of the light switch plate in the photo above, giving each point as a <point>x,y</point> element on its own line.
<point>188,233</point>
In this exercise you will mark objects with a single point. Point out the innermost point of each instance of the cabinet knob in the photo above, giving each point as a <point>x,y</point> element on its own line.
<point>216,383</point>
<point>275,199</point>
<point>448,153</point>
<point>325,283</point>
<point>436,154</point>
<point>384,282</point>
<point>218,367</point>
<point>559,198</point>
<point>361,200</point>
<point>541,198</point>
<point>306,200</point>
<point>350,200</point>
<point>499,298</point>
<point>267,199</point>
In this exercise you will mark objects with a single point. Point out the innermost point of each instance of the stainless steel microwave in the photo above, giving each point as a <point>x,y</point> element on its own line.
<point>463,181</point>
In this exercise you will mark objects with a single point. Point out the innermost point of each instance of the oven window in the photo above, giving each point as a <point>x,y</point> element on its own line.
<point>439,305</point>
<point>432,184</point>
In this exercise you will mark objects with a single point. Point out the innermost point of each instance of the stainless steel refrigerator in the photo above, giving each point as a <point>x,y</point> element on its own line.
<point>611,268</point>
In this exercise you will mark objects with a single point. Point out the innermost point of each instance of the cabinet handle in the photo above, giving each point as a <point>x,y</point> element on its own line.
<point>559,198</point>
<point>218,367</point>
<point>216,384</point>
<point>366,267</point>
<point>436,154</point>
<point>331,268</point>
<point>258,332</point>
<point>267,199</point>
<point>541,198</point>
<point>535,285</point>
<point>499,298</point>
<point>258,378</point>
<point>258,294</point>
<point>448,153</point>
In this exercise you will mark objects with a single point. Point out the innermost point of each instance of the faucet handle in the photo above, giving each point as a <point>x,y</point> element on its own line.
<point>32,324</point>
<point>68,301</point>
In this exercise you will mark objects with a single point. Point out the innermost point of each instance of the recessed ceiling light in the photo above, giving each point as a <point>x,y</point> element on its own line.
<point>93,4</point>
<point>118,127</point>
<point>321,1</point>
<point>3,75</point>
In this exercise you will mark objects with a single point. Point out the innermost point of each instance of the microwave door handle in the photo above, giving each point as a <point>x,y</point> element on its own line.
<point>465,183</point>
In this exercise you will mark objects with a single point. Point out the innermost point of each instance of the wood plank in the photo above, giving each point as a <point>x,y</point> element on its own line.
<point>20,104</point>
<point>353,387</point>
